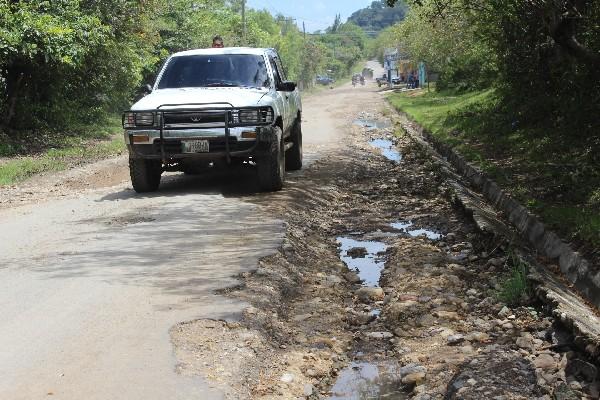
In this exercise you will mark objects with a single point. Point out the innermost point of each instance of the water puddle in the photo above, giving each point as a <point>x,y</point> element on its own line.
<point>375,312</point>
<point>370,123</point>
<point>387,149</point>
<point>363,380</point>
<point>364,257</point>
<point>405,226</point>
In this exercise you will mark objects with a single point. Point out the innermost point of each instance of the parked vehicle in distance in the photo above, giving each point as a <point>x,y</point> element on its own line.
<point>216,107</point>
<point>382,80</point>
<point>324,80</point>
<point>396,80</point>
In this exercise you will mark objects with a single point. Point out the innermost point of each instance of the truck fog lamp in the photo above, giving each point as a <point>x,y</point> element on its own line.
<point>140,138</point>
<point>249,135</point>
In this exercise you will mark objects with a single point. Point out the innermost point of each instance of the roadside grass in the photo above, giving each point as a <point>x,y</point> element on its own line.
<point>62,152</point>
<point>555,174</point>
<point>515,288</point>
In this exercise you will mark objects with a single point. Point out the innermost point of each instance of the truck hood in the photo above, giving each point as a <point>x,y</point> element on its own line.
<point>238,97</point>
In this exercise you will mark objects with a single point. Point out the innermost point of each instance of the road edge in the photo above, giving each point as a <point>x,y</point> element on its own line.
<point>565,304</point>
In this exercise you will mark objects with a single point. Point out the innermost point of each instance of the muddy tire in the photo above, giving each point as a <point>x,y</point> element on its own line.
<point>293,157</point>
<point>271,165</point>
<point>145,174</point>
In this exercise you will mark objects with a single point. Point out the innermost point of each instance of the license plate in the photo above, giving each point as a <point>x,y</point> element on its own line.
<point>194,146</point>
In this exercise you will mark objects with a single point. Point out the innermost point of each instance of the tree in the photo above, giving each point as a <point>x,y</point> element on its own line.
<point>61,61</point>
<point>546,55</point>
<point>41,35</point>
<point>566,22</point>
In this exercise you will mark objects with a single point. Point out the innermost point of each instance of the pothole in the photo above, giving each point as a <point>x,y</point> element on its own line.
<point>407,227</point>
<point>365,257</point>
<point>366,380</point>
<point>387,148</point>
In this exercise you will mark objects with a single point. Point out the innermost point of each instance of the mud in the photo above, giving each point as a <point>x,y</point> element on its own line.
<point>370,264</point>
<point>364,380</point>
<point>387,148</point>
<point>407,227</point>
<point>382,289</point>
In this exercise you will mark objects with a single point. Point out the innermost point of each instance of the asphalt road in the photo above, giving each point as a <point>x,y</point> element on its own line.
<point>92,280</point>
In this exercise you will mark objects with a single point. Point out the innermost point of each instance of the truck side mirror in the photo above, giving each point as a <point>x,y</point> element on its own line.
<point>286,86</point>
<point>147,89</point>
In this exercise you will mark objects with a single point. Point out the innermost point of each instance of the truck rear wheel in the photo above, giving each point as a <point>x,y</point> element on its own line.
<point>271,165</point>
<point>145,174</point>
<point>293,157</point>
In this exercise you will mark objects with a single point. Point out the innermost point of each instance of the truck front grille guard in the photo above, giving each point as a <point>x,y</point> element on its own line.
<point>225,112</point>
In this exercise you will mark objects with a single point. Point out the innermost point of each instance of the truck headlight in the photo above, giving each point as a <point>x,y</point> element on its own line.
<point>144,119</point>
<point>249,116</point>
<point>257,116</point>
<point>139,119</point>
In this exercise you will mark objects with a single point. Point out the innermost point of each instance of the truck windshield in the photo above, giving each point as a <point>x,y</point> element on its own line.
<point>220,70</point>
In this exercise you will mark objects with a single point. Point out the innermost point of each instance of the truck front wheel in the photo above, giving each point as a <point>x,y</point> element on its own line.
<point>145,174</point>
<point>293,157</point>
<point>271,165</point>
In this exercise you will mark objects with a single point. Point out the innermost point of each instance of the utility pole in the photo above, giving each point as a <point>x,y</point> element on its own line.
<point>245,43</point>
<point>304,29</point>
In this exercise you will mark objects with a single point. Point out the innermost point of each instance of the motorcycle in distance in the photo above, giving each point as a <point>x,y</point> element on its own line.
<point>355,79</point>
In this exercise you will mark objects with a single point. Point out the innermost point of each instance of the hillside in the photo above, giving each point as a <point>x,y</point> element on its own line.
<point>378,16</point>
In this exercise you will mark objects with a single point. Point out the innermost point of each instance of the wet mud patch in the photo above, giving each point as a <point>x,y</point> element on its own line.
<point>387,149</point>
<point>368,380</point>
<point>409,228</point>
<point>365,257</point>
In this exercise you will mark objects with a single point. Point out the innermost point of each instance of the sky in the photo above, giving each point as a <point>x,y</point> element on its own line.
<point>317,14</point>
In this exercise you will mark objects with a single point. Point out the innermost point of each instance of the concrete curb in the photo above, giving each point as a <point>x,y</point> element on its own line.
<point>577,270</point>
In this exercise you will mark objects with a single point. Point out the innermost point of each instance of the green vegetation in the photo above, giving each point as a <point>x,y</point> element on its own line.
<point>431,109</point>
<point>19,169</point>
<point>556,178</point>
<point>515,288</point>
<point>518,93</point>
<point>61,152</point>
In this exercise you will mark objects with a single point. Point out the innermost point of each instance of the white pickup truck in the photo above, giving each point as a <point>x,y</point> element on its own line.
<point>216,107</point>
